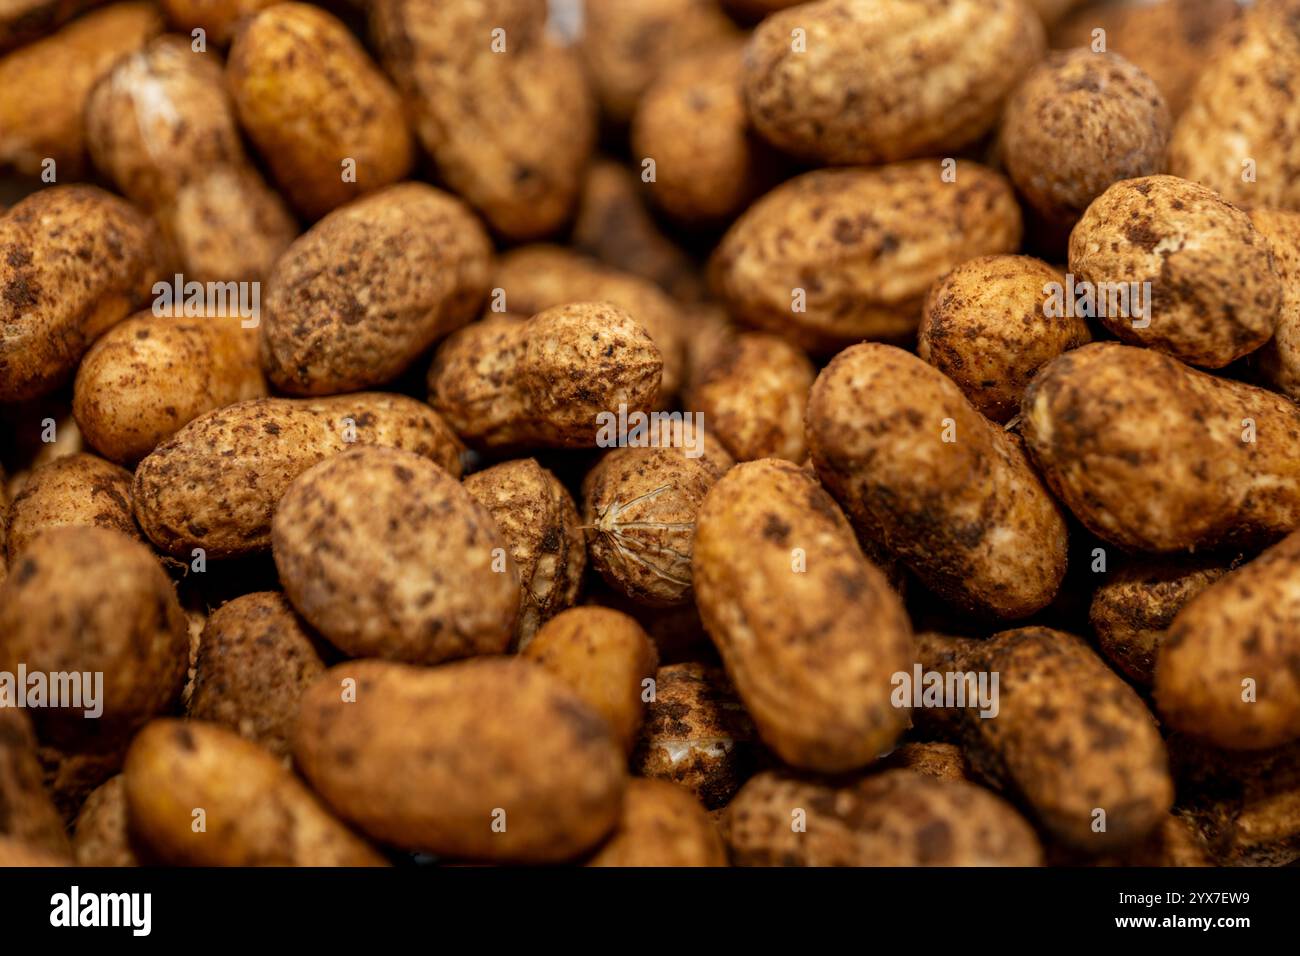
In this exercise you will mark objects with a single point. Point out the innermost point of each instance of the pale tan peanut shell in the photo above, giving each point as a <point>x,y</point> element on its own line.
<point>1279,359</point>
<point>491,759</point>
<point>101,834</point>
<point>214,484</point>
<point>662,825</point>
<point>80,491</point>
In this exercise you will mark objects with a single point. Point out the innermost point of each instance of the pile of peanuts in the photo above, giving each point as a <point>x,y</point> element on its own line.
<point>650,432</point>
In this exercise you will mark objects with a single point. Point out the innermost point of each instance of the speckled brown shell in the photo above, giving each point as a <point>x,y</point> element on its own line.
<point>933,759</point>
<point>1243,108</point>
<point>101,835</point>
<point>26,811</point>
<point>78,490</point>
<point>873,81</point>
<point>511,131</point>
<point>371,286</point>
<point>74,260</point>
<point>986,327</point>
<point>539,520</point>
<point>429,759</point>
<point>1243,627</point>
<point>161,126</point>
<point>1279,359</point>
<point>93,600</point>
<point>256,812</point>
<point>1214,291</point>
<point>638,509</point>
<point>862,244</point>
<point>310,99</point>
<point>147,377</point>
<point>504,382</point>
<point>753,393</point>
<point>1133,608</point>
<point>606,657</point>
<point>1070,737</point>
<point>697,734</point>
<point>895,818</point>
<point>784,589</point>
<point>44,86</point>
<point>537,277</point>
<point>662,825</point>
<point>214,484</point>
<point>386,555</point>
<point>968,516</point>
<point>1077,123</point>
<point>256,657</point>
<point>1149,454</point>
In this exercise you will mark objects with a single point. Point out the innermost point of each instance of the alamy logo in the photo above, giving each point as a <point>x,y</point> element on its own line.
<point>74,908</point>
<point>1099,300</point>
<point>651,430</point>
<point>946,689</point>
<point>57,690</point>
<point>209,300</point>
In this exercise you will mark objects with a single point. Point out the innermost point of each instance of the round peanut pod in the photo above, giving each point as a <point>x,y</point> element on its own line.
<point>94,602</point>
<point>539,520</point>
<point>213,206</point>
<point>102,834</point>
<point>894,818</point>
<point>662,825</point>
<point>753,394</point>
<point>505,382</point>
<point>1224,672</point>
<point>354,301</point>
<point>639,506</point>
<point>1108,425</point>
<point>1279,359</point>
<point>697,734</point>
<point>146,378</point>
<point>78,262</point>
<point>843,81</point>
<point>1078,123</point>
<point>254,811</point>
<point>1209,290</point>
<point>415,758</point>
<point>77,491</point>
<point>29,813</point>
<point>255,660</point>
<point>944,489</point>
<point>387,555</point>
<point>316,107</point>
<point>838,255</point>
<point>990,325</point>
<point>783,588</point>
<point>214,484</point>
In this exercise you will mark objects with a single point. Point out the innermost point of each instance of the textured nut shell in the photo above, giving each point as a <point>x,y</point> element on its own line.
<point>882,80</point>
<point>1214,291</point>
<point>1279,360</point>
<point>386,555</point>
<point>214,484</point>
<point>662,825</point>
<point>810,652</point>
<point>895,818</point>
<point>503,382</point>
<point>697,734</point>
<point>77,491</point>
<point>1149,455</point>
<point>77,261</point>
<point>425,758</point>
<point>1131,611</point>
<point>1077,123</point>
<point>44,86</point>
<point>539,520</point>
<point>102,834</point>
<point>604,656</point>
<point>753,393</point>
<point>933,759</point>
<point>1242,108</point>
<point>90,599</point>
<point>26,811</point>
<point>639,507</point>
<point>255,660</point>
<point>257,812</point>
<point>986,326</point>
<point>1244,626</point>
<point>371,286</point>
<point>863,244</point>
<point>310,98</point>
<point>969,517</point>
<point>147,377</point>
<point>538,277</point>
